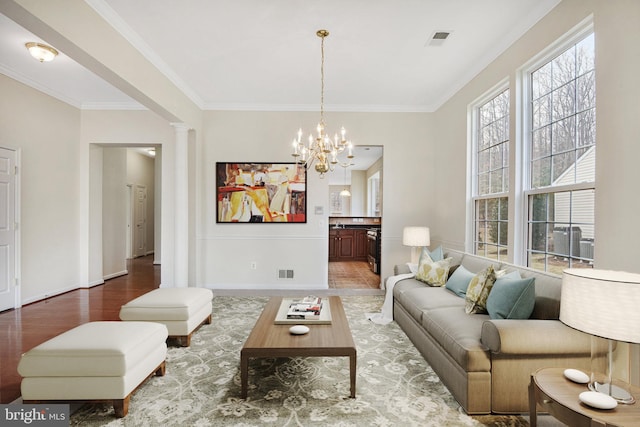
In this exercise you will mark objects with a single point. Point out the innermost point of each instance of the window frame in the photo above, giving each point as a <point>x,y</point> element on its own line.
<point>473,196</point>
<point>523,187</point>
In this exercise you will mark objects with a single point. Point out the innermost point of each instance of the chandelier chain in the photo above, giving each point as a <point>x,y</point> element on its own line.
<point>322,81</point>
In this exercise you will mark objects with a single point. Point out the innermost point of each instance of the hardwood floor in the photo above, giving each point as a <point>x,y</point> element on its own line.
<point>352,275</point>
<point>26,327</point>
<point>33,324</point>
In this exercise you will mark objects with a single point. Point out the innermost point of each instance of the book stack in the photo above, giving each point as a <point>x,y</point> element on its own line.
<point>307,308</point>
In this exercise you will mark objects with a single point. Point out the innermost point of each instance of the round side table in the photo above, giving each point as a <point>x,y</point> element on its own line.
<point>550,391</point>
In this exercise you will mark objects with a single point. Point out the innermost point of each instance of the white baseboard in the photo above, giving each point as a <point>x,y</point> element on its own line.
<point>118,274</point>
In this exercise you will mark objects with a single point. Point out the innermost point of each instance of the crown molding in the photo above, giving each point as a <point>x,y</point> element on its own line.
<point>314,108</point>
<point>9,72</point>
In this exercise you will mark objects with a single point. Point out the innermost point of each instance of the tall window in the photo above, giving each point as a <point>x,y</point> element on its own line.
<point>490,196</point>
<point>561,151</point>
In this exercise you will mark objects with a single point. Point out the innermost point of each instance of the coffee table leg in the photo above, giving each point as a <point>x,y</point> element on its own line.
<point>244,374</point>
<point>352,372</point>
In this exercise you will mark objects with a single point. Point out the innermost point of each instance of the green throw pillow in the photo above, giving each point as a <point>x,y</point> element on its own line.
<point>436,255</point>
<point>512,298</point>
<point>478,291</point>
<point>433,273</point>
<point>459,281</point>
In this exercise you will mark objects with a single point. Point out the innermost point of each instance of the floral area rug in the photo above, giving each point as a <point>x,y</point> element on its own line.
<point>395,385</point>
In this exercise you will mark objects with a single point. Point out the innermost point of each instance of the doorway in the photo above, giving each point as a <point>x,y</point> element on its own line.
<point>8,230</point>
<point>129,203</point>
<point>353,218</point>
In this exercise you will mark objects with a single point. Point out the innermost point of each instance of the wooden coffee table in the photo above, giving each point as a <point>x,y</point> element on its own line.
<point>270,340</point>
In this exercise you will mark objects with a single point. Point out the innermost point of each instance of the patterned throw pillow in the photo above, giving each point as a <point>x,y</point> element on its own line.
<point>433,273</point>
<point>478,291</point>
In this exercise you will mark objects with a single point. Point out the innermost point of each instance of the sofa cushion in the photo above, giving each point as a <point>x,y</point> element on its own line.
<point>433,273</point>
<point>416,299</point>
<point>459,281</point>
<point>459,336</point>
<point>478,291</point>
<point>512,298</point>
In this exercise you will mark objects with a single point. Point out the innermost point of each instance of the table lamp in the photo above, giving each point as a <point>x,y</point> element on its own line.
<point>416,237</point>
<point>604,304</point>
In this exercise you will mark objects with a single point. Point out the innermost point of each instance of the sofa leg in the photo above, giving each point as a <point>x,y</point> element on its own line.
<point>121,406</point>
<point>207,321</point>
<point>161,370</point>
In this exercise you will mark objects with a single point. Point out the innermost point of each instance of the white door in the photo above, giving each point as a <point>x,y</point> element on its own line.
<point>140,221</point>
<point>7,229</point>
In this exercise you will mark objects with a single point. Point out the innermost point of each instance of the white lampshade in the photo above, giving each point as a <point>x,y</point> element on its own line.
<point>416,236</point>
<point>602,302</point>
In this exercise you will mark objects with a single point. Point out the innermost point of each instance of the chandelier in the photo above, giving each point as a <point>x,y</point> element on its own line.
<point>321,150</point>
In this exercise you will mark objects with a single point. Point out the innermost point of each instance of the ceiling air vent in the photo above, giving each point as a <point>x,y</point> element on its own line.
<point>438,38</point>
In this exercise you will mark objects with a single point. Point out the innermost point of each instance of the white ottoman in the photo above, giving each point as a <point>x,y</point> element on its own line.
<point>182,310</point>
<point>96,361</point>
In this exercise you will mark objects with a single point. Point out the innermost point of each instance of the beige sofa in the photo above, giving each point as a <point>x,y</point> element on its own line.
<point>486,363</point>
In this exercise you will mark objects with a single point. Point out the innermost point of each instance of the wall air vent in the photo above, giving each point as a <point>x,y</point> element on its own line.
<point>285,274</point>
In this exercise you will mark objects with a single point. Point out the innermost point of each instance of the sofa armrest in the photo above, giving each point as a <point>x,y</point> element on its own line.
<point>533,336</point>
<point>401,269</point>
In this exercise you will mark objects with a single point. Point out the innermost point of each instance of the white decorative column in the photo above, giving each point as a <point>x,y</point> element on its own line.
<point>181,204</point>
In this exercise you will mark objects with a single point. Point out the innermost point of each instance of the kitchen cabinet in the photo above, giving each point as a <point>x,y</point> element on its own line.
<point>347,244</point>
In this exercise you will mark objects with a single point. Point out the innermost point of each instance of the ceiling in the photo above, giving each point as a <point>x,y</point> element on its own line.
<point>265,55</point>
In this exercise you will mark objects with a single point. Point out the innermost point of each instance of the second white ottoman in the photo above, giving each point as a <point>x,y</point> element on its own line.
<point>182,310</point>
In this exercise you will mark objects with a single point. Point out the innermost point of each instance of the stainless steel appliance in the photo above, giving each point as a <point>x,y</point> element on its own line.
<point>373,249</point>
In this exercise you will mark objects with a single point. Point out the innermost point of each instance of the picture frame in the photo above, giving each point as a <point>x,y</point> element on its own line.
<point>260,192</point>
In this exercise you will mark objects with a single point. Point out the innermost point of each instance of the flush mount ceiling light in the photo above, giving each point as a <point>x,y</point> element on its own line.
<point>41,52</point>
<point>322,150</point>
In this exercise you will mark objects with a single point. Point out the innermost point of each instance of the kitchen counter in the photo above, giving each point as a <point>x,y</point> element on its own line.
<point>355,222</point>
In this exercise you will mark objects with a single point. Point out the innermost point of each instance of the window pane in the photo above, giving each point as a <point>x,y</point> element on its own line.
<point>563,68</point>
<point>563,134</point>
<point>586,128</point>
<point>585,91</point>
<point>539,207</point>
<point>483,161</point>
<point>542,112</point>
<point>563,168</point>
<point>585,55</point>
<point>541,81</point>
<point>541,172</point>
<point>541,143</point>
<point>564,101</point>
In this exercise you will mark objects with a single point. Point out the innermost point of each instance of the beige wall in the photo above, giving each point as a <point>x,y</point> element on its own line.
<point>46,131</point>
<point>228,249</point>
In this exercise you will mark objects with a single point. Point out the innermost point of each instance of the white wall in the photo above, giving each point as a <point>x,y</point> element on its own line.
<point>114,212</point>
<point>46,131</point>
<point>227,250</point>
